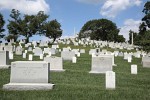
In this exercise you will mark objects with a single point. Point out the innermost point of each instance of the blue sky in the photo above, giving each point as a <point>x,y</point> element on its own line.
<point>72,14</point>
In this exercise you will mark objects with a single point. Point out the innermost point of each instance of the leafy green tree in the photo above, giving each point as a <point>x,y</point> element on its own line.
<point>146,10</point>
<point>2,22</point>
<point>120,38</point>
<point>100,29</point>
<point>144,34</point>
<point>53,29</point>
<point>14,25</point>
<point>32,24</point>
<point>11,36</point>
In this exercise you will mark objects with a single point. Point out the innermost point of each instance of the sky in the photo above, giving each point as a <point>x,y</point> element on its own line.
<point>73,14</point>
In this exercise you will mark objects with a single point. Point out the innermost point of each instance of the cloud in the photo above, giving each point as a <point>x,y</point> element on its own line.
<point>112,7</point>
<point>129,24</point>
<point>25,6</point>
<point>91,1</point>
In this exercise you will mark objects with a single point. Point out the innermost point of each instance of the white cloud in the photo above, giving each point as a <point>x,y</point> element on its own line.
<point>129,24</point>
<point>112,7</point>
<point>90,1</point>
<point>25,6</point>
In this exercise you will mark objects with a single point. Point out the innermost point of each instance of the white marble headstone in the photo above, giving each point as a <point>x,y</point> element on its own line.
<point>29,75</point>
<point>110,80</point>
<point>74,59</point>
<point>30,57</point>
<point>133,69</point>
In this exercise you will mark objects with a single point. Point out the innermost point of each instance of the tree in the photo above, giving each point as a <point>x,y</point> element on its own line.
<point>2,22</point>
<point>32,24</point>
<point>146,10</point>
<point>144,34</point>
<point>14,25</point>
<point>53,29</point>
<point>100,29</point>
<point>120,38</point>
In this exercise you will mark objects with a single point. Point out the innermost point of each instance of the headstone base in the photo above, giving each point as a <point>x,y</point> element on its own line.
<point>28,86</point>
<point>114,65</point>
<point>57,70</point>
<point>96,72</point>
<point>4,66</point>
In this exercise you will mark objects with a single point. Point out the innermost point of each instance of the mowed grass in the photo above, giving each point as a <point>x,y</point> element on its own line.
<point>77,84</point>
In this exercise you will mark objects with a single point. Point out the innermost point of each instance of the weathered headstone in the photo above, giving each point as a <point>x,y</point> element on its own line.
<point>24,55</point>
<point>146,61</point>
<point>133,69</point>
<point>29,75</point>
<point>11,55</point>
<point>4,59</point>
<point>41,56</point>
<point>74,59</point>
<point>67,55</point>
<point>101,64</point>
<point>56,63</point>
<point>18,50</point>
<point>110,80</point>
<point>37,51</point>
<point>30,57</point>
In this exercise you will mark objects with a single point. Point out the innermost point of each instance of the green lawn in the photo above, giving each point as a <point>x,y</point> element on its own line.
<point>77,84</point>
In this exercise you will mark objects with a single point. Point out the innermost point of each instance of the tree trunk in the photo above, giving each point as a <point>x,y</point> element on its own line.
<point>53,40</point>
<point>27,40</point>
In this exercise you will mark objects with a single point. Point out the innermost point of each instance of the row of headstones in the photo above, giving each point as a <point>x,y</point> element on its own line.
<point>65,55</point>
<point>101,61</point>
<point>34,75</point>
<point>94,43</point>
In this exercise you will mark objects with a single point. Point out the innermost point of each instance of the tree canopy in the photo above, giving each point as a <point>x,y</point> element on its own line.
<point>143,37</point>
<point>2,22</point>
<point>14,25</point>
<point>101,29</point>
<point>32,24</point>
<point>29,25</point>
<point>53,29</point>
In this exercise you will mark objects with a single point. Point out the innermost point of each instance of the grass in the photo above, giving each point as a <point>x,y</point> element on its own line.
<point>77,84</point>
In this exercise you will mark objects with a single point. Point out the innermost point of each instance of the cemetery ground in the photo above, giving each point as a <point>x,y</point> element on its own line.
<point>76,83</point>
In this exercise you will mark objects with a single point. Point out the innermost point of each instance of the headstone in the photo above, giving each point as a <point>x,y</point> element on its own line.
<point>8,48</point>
<point>74,59</point>
<point>46,50</point>
<point>101,64</point>
<point>56,63</point>
<point>30,57</point>
<point>55,46</point>
<point>18,50</point>
<point>41,56</point>
<point>30,49</point>
<point>133,69</point>
<point>66,49</point>
<point>29,75</point>
<point>53,51</point>
<point>4,59</point>
<point>129,59</point>
<point>11,55</point>
<point>78,54</point>
<point>110,80</point>
<point>37,51</point>
<point>24,55</point>
<point>25,51</point>
<point>146,62</point>
<point>50,54</point>
<point>82,50</point>
<point>67,55</point>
